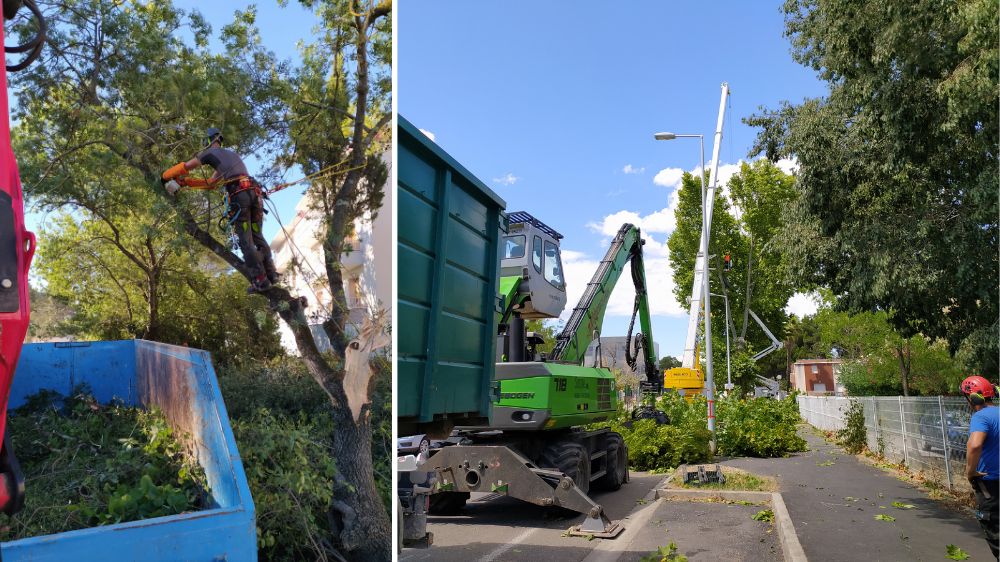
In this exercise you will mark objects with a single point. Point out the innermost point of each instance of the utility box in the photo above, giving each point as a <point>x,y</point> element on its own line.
<point>448,248</point>
<point>182,383</point>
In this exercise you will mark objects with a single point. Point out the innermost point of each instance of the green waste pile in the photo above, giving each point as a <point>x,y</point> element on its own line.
<point>755,427</point>
<point>88,464</point>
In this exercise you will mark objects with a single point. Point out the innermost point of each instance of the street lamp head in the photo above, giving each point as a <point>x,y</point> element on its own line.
<point>665,136</point>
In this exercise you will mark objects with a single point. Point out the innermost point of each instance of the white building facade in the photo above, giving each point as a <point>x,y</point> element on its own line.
<point>613,355</point>
<point>367,267</point>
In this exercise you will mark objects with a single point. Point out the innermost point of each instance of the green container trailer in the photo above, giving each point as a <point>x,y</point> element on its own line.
<point>520,421</point>
<point>449,229</point>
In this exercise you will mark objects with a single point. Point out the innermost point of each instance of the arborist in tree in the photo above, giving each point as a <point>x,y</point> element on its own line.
<point>243,193</point>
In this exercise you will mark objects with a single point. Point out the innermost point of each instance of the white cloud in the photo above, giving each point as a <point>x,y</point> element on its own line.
<point>429,134</point>
<point>788,165</point>
<point>803,304</point>
<point>663,221</point>
<point>726,172</point>
<point>580,268</point>
<point>507,179</point>
<point>669,177</point>
<point>629,169</point>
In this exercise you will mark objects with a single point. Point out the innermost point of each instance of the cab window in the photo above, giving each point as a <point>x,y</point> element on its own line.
<point>553,265</point>
<point>536,253</point>
<point>513,247</point>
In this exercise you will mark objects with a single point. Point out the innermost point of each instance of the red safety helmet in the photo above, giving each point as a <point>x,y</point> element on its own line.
<point>978,388</point>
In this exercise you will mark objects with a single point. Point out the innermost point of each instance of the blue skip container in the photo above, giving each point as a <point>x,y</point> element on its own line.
<point>182,383</point>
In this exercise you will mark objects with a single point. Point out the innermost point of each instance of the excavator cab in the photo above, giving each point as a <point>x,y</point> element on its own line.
<point>531,260</point>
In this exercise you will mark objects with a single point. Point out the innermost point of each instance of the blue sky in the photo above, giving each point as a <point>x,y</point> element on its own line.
<point>554,105</point>
<point>281,29</point>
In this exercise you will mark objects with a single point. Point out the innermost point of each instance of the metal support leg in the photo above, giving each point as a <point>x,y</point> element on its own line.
<point>499,469</point>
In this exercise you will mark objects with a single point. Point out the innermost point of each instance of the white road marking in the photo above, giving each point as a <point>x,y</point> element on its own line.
<point>496,554</point>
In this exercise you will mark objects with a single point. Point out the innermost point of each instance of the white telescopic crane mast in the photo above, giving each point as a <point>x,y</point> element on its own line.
<point>699,287</point>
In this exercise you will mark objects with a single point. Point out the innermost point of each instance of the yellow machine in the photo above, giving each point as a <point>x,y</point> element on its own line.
<point>686,381</point>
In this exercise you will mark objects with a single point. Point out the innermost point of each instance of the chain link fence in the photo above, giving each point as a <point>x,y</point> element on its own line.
<point>927,434</point>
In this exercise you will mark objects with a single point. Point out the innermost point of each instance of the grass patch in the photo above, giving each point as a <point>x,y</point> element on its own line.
<point>736,479</point>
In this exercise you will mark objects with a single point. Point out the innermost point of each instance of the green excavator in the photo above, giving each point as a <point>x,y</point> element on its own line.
<point>535,447</point>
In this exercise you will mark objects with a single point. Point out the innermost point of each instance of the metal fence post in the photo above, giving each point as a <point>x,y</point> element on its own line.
<point>875,423</point>
<point>944,439</point>
<point>902,428</point>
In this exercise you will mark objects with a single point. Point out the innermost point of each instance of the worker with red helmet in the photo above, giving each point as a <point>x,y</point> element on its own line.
<point>982,464</point>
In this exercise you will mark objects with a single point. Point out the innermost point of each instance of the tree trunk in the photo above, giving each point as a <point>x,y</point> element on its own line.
<point>358,517</point>
<point>903,353</point>
<point>153,325</point>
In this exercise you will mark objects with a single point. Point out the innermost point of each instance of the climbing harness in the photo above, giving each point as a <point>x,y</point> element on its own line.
<point>232,211</point>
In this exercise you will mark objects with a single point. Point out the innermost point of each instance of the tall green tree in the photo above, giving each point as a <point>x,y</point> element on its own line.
<point>668,362</point>
<point>110,296</point>
<point>339,114</point>
<point>897,208</point>
<point>121,95</point>
<point>757,281</point>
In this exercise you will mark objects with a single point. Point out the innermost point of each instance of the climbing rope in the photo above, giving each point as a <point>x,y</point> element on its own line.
<point>323,173</point>
<point>302,259</point>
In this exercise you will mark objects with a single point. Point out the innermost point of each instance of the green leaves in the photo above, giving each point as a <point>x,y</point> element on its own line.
<point>897,208</point>
<point>99,464</point>
<point>765,515</point>
<point>883,517</point>
<point>955,553</point>
<point>901,505</point>
<point>854,436</point>
<point>665,554</point>
<point>758,427</point>
<point>758,191</point>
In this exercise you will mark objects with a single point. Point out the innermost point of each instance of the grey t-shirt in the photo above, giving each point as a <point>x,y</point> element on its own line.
<point>225,162</point>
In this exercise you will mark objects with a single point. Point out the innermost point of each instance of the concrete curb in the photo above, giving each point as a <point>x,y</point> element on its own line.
<point>731,495</point>
<point>790,546</point>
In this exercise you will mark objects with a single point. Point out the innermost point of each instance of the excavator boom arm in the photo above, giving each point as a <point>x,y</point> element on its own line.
<point>584,325</point>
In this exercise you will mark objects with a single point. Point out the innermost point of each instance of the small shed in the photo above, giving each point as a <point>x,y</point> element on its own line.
<point>820,377</point>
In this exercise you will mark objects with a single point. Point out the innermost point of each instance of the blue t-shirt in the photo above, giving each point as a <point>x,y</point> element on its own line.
<point>987,420</point>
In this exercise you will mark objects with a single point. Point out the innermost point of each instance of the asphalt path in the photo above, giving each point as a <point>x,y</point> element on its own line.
<point>833,500</point>
<point>493,528</point>
<point>502,529</point>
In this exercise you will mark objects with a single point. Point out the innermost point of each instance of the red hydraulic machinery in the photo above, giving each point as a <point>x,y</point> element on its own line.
<point>17,247</point>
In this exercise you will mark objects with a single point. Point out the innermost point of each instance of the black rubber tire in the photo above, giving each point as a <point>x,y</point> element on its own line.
<point>617,465</point>
<point>447,503</point>
<point>571,459</point>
